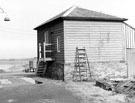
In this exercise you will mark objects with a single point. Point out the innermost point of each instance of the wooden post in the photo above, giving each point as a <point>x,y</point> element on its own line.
<point>44,51</point>
<point>39,50</point>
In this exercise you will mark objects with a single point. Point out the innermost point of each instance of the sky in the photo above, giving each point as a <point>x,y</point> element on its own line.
<point>19,40</point>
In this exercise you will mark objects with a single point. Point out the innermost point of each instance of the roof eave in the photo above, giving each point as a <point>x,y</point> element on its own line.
<point>95,19</point>
<point>47,23</point>
<point>84,19</point>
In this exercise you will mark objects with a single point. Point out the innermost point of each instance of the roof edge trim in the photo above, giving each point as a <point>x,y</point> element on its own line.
<point>93,18</point>
<point>69,11</point>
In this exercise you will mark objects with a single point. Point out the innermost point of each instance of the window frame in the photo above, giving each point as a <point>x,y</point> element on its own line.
<point>58,44</point>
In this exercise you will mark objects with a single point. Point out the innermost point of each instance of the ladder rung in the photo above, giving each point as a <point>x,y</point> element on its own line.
<point>84,69</point>
<point>82,62</point>
<point>77,74</point>
<point>82,58</point>
<point>81,68</point>
<point>81,49</point>
<point>79,65</point>
<point>81,53</point>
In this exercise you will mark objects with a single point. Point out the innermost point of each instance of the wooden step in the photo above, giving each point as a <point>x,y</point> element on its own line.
<point>48,51</point>
<point>40,72</point>
<point>39,69</point>
<point>49,59</point>
<point>40,66</point>
<point>48,44</point>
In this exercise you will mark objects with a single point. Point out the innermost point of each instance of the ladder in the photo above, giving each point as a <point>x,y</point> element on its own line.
<point>41,69</point>
<point>81,66</point>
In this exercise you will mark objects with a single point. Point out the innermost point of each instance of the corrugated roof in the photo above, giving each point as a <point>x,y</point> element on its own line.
<point>77,12</point>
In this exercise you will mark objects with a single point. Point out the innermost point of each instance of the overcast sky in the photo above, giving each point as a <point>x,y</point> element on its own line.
<point>17,37</point>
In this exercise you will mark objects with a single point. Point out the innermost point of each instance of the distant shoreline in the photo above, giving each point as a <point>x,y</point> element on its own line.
<point>16,61</point>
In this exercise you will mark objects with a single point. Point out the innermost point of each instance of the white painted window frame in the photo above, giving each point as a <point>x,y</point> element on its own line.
<point>58,43</point>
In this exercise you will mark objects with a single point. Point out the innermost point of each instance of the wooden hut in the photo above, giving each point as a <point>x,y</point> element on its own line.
<point>103,36</point>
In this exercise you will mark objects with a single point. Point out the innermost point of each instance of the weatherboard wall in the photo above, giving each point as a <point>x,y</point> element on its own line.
<point>104,41</point>
<point>54,30</point>
<point>130,36</point>
<point>57,30</point>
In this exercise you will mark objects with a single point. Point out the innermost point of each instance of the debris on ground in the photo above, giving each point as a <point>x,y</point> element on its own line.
<point>38,82</point>
<point>119,86</point>
<point>126,87</point>
<point>105,84</point>
<point>87,92</point>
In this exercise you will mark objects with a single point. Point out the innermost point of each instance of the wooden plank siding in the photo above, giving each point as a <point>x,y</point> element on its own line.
<point>130,36</point>
<point>54,30</point>
<point>104,41</point>
<point>130,48</point>
<point>57,30</point>
<point>40,40</point>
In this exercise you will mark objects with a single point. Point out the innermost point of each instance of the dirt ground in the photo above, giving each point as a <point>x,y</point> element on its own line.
<point>22,88</point>
<point>87,92</point>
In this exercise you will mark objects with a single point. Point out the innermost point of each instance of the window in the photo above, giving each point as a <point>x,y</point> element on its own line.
<point>58,44</point>
<point>46,36</point>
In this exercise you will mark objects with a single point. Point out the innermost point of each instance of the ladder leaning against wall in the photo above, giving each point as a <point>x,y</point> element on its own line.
<point>81,65</point>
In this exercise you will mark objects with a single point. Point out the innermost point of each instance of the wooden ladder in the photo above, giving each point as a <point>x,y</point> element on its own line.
<point>81,65</point>
<point>41,69</point>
